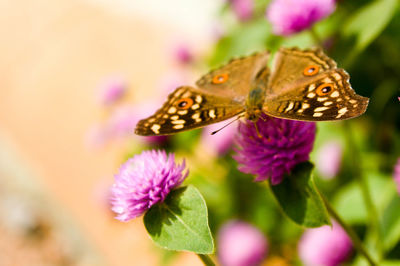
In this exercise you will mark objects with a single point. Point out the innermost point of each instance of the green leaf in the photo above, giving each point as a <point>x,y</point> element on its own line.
<point>349,202</point>
<point>368,22</point>
<point>299,198</point>
<point>181,222</point>
<point>391,223</point>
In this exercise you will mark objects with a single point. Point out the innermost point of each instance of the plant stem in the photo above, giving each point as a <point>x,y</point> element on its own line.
<point>350,232</point>
<point>206,259</point>
<point>358,174</point>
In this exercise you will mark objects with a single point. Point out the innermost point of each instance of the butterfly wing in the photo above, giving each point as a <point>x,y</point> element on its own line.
<point>292,65</point>
<point>326,96</point>
<point>188,108</point>
<point>221,94</point>
<point>234,80</point>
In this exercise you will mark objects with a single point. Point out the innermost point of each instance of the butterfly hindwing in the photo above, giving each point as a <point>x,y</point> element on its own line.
<point>292,65</point>
<point>328,96</point>
<point>187,108</point>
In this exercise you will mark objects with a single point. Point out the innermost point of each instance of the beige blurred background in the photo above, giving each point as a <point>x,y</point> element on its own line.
<point>53,55</point>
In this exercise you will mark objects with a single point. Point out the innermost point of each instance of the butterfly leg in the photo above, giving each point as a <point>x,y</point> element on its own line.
<point>258,132</point>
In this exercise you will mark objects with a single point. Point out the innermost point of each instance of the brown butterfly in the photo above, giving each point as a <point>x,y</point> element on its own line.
<point>303,85</point>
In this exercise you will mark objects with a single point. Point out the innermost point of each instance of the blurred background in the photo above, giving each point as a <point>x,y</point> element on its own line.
<point>62,137</point>
<point>55,56</point>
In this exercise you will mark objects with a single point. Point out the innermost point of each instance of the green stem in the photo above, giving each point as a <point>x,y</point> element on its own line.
<point>315,37</point>
<point>358,174</point>
<point>206,259</point>
<point>350,232</point>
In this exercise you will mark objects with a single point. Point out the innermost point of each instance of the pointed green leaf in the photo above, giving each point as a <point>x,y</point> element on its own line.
<point>369,21</point>
<point>391,223</point>
<point>181,222</point>
<point>299,198</point>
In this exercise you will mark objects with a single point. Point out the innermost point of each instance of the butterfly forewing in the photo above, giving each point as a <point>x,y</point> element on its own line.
<point>234,79</point>
<point>328,96</point>
<point>188,108</point>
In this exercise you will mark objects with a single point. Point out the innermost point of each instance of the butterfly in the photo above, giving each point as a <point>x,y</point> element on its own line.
<point>302,85</point>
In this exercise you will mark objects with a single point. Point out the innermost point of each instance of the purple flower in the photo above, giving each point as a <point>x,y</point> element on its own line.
<point>291,16</point>
<point>283,144</point>
<point>241,244</point>
<point>111,91</point>
<point>243,9</point>
<point>221,142</point>
<point>325,246</point>
<point>328,159</point>
<point>144,180</point>
<point>182,53</point>
<point>396,174</point>
<point>123,121</point>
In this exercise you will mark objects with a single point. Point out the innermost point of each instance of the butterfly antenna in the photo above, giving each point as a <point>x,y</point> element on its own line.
<point>258,132</point>
<point>237,118</point>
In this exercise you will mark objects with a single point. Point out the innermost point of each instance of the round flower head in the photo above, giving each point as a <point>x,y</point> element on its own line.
<point>282,145</point>
<point>241,244</point>
<point>144,180</point>
<point>291,16</point>
<point>325,246</point>
<point>112,90</point>
<point>396,175</point>
<point>243,9</point>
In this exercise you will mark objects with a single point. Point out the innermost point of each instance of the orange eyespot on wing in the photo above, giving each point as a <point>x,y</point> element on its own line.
<point>324,89</point>
<point>219,79</point>
<point>311,70</point>
<point>184,103</point>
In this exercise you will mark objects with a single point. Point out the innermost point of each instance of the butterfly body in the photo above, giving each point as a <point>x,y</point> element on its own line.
<point>302,85</point>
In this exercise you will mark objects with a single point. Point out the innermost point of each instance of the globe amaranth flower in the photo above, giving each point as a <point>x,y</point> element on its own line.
<point>182,53</point>
<point>112,90</point>
<point>282,145</point>
<point>241,244</point>
<point>291,16</point>
<point>325,246</point>
<point>328,159</point>
<point>396,174</point>
<point>243,9</point>
<point>144,180</point>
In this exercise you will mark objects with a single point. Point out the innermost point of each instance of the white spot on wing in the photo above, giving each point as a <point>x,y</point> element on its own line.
<point>172,110</point>
<point>317,114</point>
<point>290,107</point>
<point>155,128</point>
<point>211,113</point>
<point>335,94</point>
<point>320,109</point>
<point>311,95</point>
<point>178,126</point>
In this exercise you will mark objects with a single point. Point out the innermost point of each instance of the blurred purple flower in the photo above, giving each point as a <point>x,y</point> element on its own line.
<point>123,121</point>
<point>144,180</point>
<point>328,159</point>
<point>241,244</point>
<point>112,91</point>
<point>284,144</point>
<point>325,246</point>
<point>221,142</point>
<point>96,137</point>
<point>396,174</point>
<point>291,16</point>
<point>182,53</point>
<point>243,8</point>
